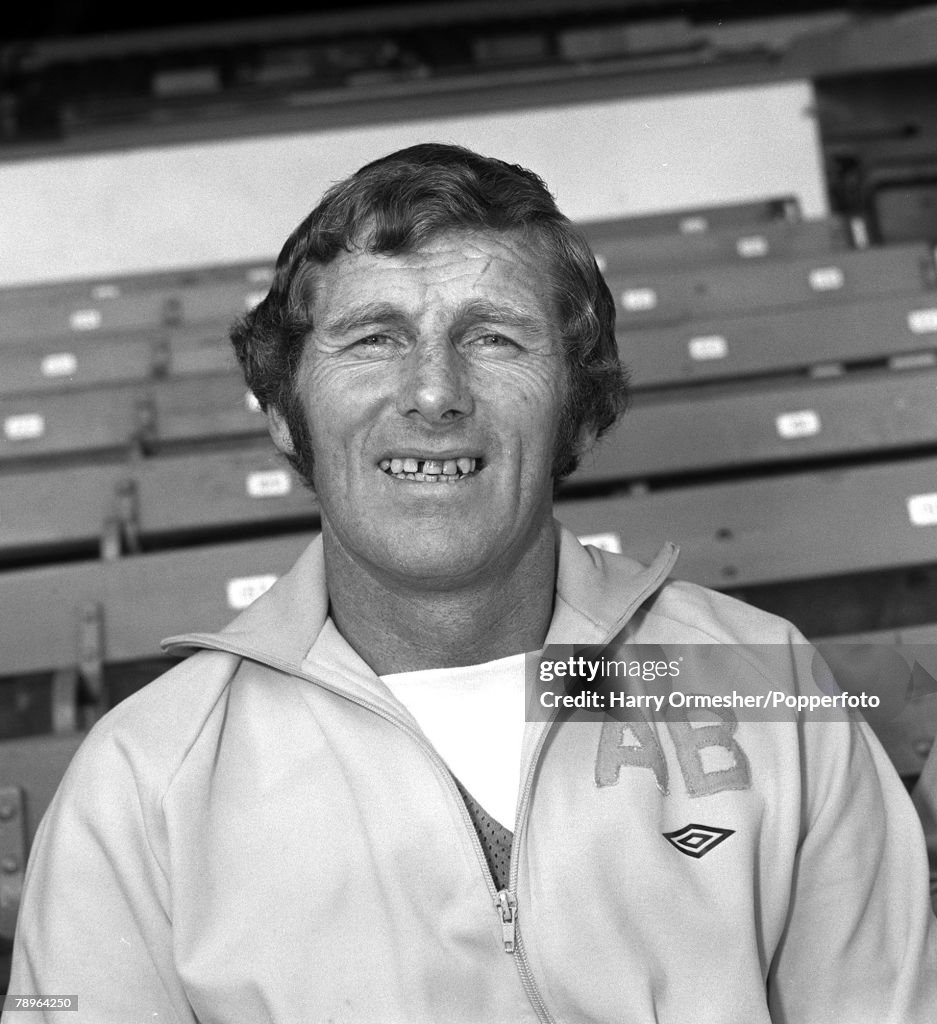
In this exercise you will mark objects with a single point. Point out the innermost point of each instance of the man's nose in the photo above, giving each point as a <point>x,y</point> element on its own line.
<point>434,384</point>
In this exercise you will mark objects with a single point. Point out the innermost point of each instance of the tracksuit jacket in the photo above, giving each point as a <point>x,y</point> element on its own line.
<point>263,834</point>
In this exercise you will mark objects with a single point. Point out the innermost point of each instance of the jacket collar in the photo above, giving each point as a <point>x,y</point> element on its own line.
<point>289,627</point>
<point>597,592</point>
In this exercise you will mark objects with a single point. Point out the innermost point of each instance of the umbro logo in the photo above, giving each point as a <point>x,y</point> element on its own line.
<point>697,840</point>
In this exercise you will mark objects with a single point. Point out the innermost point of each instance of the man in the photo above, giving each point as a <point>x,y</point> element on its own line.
<point>334,811</point>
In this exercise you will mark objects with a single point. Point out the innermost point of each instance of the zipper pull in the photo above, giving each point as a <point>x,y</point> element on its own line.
<point>507,910</point>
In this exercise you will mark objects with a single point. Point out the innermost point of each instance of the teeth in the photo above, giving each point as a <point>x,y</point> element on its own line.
<point>432,470</point>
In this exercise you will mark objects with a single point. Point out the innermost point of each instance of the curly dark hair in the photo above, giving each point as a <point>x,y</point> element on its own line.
<point>397,203</point>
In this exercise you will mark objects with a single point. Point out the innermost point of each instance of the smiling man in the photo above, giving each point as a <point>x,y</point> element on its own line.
<point>334,810</point>
<point>432,386</point>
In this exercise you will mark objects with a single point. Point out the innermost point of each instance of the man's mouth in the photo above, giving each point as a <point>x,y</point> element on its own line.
<point>433,471</point>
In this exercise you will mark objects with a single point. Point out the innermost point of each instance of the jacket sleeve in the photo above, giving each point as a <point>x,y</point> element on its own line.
<point>94,920</point>
<point>860,945</point>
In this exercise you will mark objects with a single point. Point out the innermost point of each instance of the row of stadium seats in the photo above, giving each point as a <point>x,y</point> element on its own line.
<point>142,302</point>
<point>702,292</point>
<point>114,418</point>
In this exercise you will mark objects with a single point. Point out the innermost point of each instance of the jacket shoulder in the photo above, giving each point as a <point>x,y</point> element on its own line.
<point>153,729</point>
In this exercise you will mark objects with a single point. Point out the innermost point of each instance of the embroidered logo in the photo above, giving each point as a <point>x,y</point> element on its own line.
<point>697,840</point>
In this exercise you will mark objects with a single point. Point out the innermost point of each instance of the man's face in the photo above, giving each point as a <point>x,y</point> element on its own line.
<point>432,384</point>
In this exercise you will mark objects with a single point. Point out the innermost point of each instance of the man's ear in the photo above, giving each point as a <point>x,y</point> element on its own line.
<point>279,431</point>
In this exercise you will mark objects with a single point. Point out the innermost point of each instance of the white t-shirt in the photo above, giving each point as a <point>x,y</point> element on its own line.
<point>474,717</point>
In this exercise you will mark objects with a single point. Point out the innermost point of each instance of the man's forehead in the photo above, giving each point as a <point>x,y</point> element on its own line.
<point>486,262</point>
<point>513,247</point>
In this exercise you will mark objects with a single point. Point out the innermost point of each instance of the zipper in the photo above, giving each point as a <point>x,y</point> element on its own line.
<point>507,907</point>
<point>507,898</point>
<point>506,902</point>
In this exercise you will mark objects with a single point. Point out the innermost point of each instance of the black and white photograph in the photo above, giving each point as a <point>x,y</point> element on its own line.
<point>468,512</point>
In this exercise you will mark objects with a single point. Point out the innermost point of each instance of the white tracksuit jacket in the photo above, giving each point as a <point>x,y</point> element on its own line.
<point>264,835</point>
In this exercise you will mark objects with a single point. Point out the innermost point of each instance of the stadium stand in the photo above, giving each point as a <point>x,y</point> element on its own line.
<point>748,424</point>
<point>730,243</point>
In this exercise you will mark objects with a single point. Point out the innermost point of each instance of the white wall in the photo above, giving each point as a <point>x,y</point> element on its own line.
<point>219,202</point>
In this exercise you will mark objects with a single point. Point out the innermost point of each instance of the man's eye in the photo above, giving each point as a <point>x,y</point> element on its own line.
<point>374,341</point>
<point>493,341</point>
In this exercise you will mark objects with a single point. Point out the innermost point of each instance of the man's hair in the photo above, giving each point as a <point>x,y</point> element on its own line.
<point>398,203</point>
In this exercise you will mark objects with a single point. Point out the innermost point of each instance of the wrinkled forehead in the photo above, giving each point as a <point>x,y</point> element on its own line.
<point>514,262</point>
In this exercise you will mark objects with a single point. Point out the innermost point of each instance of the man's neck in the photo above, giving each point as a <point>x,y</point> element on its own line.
<point>400,628</point>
